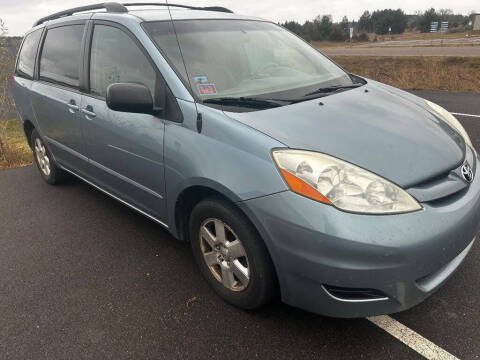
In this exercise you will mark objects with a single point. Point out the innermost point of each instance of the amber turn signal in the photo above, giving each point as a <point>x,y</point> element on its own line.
<point>301,187</point>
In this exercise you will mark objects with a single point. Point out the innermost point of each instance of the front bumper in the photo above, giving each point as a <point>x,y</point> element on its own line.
<point>407,257</point>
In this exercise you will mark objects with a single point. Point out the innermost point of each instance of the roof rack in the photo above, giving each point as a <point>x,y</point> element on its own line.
<point>113,7</point>
<point>110,7</point>
<point>207,8</point>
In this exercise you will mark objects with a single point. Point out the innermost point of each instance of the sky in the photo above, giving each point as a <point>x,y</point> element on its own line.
<point>19,15</point>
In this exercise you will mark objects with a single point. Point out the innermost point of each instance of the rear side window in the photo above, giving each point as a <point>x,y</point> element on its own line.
<point>26,58</point>
<point>60,59</point>
<point>115,58</point>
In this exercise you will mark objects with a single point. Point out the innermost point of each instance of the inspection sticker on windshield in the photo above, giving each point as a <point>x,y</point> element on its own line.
<point>206,89</point>
<point>200,80</point>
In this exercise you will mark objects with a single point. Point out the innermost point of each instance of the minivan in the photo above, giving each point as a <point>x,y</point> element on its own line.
<point>289,176</point>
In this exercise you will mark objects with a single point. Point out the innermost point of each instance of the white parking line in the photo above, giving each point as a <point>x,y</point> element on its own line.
<point>476,116</point>
<point>412,339</point>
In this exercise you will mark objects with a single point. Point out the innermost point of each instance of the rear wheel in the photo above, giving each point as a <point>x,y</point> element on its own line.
<point>49,171</point>
<point>231,255</point>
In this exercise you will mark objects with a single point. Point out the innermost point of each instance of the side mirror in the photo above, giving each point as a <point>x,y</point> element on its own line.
<point>130,97</point>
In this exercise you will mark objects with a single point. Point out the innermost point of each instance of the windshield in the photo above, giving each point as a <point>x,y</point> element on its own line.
<point>238,58</point>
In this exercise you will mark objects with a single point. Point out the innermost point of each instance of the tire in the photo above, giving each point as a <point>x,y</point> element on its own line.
<point>246,289</point>
<point>46,165</point>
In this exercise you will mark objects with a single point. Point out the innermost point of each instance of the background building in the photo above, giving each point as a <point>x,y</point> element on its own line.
<point>476,21</point>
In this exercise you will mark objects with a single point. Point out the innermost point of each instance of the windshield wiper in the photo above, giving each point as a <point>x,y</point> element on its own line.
<point>246,102</point>
<point>262,103</point>
<point>329,89</point>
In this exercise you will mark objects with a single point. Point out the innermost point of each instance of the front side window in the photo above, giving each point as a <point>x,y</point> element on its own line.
<point>238,58</point>
<point>61,54</point>
<point>115,58</point>
<point>26,59</point>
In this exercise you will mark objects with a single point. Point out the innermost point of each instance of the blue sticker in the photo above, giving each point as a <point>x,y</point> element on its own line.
<point>200,80</point>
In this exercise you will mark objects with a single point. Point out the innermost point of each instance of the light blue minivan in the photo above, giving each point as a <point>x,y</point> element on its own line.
<point>289,176</point>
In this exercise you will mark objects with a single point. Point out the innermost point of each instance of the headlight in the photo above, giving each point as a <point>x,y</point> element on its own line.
<point>451,120</point>
<point>336,182</point>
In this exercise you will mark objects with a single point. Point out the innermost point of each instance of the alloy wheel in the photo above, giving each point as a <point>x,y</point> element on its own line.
<point>42,157</point>
<point>224,254</point>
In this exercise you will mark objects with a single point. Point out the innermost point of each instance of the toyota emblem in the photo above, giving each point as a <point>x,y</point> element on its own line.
<point>467,172</point>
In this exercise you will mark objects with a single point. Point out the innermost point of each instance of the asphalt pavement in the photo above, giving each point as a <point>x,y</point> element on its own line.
<point>460,51</point>
<point>469,41</point>
<point>84,277</point>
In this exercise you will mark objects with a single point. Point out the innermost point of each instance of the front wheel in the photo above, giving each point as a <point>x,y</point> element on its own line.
<point>50,172</point>
<point>231,255</point>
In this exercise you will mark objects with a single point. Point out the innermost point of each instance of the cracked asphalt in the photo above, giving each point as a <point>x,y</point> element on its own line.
<point>84,277</point>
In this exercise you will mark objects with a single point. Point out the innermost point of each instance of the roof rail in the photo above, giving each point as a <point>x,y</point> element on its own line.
<point>207,8</point>
<point>113,7</point>
<point>109,6</point>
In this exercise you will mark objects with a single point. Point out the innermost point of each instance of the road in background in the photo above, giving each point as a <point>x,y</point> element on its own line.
<point>461,51</point>
<point>82,276</point>
<point>469,41</point>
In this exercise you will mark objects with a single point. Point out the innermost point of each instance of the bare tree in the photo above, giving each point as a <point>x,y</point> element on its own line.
<point>445,12</point>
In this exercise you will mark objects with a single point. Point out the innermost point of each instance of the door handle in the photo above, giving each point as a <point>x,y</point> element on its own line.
<point>88,111</point>
<point>72,106</point>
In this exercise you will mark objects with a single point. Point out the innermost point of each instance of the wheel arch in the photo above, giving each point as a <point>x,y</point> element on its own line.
<point>188,198</point>
<point>194,194</point>
<point>28,128</point>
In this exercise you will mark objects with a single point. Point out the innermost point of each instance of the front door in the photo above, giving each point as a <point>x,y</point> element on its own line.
<point>125,149</point>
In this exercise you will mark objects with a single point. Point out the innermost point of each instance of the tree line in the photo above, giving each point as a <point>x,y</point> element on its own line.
<point>380,22</point>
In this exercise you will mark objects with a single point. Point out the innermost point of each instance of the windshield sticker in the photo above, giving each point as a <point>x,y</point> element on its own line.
<point>206,89</point>
<point>200,80</point>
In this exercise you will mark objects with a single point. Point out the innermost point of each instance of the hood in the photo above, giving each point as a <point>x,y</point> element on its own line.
<point>385,130</point>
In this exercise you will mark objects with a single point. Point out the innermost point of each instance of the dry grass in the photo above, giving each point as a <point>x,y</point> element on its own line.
<point>435,44</point>
<point>459,74</point>
<point>14,150</point>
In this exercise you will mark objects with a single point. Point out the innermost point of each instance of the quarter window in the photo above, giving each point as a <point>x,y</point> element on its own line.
<point>61,54</point>
<point>26,59</point>
<point>116,58</point>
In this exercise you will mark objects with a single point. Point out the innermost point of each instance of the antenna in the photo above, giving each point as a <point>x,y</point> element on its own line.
<point>179,47</point>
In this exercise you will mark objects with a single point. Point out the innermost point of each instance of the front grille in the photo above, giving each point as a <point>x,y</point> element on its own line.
<point>354,294</point>
<point>444,187</point>
<point>438,188</point>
